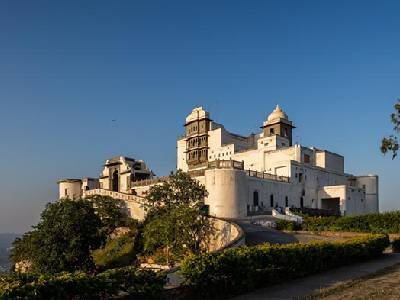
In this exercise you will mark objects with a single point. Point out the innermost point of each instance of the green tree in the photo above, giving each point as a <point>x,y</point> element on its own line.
<point>24,247</point>
<point>176,221</point>
<point>64,238</point>
<point>391,143</point>
<point>110,211</point>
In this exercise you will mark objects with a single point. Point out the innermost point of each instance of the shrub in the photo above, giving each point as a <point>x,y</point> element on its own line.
<point>287,225</point>
<point>396,245</point>
<point>79,285</point>
<point>373,223</point>
<point>240,269</point>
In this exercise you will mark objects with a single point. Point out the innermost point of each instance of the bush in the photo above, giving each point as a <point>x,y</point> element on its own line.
<point>311,212</point>
<point>287,225</point>
<point>79,285</point>
<point>373,223</point>
<point>241,269</point>
<point>396,245</point>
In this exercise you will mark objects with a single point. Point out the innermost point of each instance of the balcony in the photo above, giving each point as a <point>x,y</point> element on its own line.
<point>239,165</point>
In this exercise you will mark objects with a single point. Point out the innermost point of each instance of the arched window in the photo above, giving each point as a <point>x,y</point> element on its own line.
<point>255,198</point>
<point>271,200</point>
<point>115,181</point>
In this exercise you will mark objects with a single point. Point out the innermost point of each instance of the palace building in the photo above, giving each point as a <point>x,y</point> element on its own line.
<point>244,175</point>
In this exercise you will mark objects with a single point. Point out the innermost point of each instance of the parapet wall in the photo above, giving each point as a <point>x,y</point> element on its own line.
<point>135,205</point>
<point>226,234</point>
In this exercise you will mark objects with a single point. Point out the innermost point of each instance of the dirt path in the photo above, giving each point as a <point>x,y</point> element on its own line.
<point>313,285</point>
<point>381,285</point>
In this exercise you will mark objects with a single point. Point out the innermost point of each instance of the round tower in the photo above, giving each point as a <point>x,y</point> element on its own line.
<point>70,188</point>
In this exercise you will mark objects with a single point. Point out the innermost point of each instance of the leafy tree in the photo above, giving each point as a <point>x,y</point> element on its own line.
<point>110,211</point>
<point>24,247</point>
<point>391,142</point>
<point>64,238</point>
<point>176,220</point>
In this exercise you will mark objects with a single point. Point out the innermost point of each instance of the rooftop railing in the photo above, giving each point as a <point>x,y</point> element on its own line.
<point>216,164</point>
<point>113,194</point>
<point>239,165</point>
<point>269,176</point>
<point>224,164</point>
<point>145,182</point>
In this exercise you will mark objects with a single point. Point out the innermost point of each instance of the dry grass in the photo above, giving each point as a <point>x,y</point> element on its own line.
<point>381,285</point>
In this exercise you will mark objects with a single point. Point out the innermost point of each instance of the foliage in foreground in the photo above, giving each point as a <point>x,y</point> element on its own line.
<point>176,222</point>
<point>241,269</point>
<point>137,283</point>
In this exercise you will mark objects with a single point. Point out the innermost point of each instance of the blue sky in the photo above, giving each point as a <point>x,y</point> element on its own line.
<point>67,69</point>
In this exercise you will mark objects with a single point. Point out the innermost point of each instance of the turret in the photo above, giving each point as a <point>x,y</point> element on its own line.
<point>278,123</point>
<point>70,188</point>
<point>197,126</point>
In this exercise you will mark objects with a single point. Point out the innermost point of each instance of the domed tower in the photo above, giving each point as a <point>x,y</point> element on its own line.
<point>278,123</point>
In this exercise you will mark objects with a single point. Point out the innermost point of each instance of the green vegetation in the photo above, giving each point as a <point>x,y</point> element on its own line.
<point>67,234</point>
<point>287,225</point>
<point>388,222</point>
<point>72,243</point>
<point>63,240</point>
<point>391,142</point>
<point>373,223</point>
<point>176,223</point>
<point>241,269</point>
<point>110,211</point>
<point>136,283</point>
<point>116,252</point>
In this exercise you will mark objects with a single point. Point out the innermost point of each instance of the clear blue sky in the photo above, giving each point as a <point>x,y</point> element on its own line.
<point>68,68</point>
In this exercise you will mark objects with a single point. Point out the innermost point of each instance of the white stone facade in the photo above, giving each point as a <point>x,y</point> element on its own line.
<point>314,178</point>
<point>244,175</point>
<point>118,175</point>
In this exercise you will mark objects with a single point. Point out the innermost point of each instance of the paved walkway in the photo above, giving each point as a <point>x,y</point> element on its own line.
<point>303,287</point>
<point>257,234</point>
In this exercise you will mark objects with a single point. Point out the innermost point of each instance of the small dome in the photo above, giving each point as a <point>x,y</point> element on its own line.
<point>278,113</point>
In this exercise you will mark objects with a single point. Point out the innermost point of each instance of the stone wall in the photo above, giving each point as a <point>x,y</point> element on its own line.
<point>227,234</point>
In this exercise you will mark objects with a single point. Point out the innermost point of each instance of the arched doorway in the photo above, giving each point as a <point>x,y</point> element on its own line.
<point>115,181</point>
<point>301,202</point>
<point>255,198</point>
